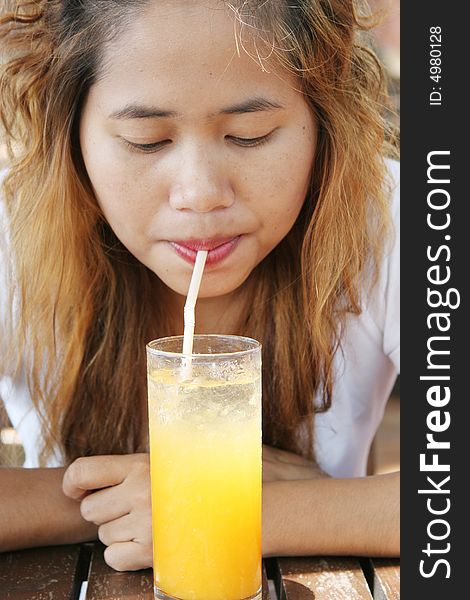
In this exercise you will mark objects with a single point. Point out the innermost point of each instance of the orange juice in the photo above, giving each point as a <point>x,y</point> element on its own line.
<point>205,446</point>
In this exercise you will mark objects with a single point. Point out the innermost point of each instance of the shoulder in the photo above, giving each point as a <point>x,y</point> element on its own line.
<point>393,167</point>
<point>3,223</point>
<point>3,174</point>
<point>5,265</point>
<point>14,391</point>
<point>3,215</point>
<point>393,175</point>
<point>381,307</point>
<point>379,320</point>
<point>3,231</point>
<point>391,260</point>
<point>392,249</point>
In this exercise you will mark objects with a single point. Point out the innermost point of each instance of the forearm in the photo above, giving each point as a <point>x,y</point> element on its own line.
<point>332,517</point>
<point>35,512</point>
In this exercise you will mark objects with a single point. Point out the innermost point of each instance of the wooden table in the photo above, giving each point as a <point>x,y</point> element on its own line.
<point>57,573</point>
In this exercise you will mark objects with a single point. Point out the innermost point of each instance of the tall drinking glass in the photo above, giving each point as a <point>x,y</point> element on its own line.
<point>205,455</point>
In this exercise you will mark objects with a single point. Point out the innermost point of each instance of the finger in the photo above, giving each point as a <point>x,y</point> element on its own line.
<point>117,531</point>
<point>93,473</point>
<point>128,528</point>
<point>128,556</point>
<point>105,505</point>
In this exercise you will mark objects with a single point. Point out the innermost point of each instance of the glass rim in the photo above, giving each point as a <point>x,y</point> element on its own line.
<point>255,345</point>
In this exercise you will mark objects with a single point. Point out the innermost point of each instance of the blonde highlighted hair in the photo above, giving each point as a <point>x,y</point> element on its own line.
<point>86,307</point>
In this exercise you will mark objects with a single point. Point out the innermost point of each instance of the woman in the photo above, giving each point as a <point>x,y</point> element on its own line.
<point>143,130</point>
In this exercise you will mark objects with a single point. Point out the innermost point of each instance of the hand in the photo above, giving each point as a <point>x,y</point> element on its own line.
<point>114,493</point>
<point>281,465</point>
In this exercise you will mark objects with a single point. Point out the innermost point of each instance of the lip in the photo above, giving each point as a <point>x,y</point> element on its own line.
<point>217,249</point>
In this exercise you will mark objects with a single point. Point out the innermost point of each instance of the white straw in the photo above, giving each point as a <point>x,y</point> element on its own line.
<point>189,311</point>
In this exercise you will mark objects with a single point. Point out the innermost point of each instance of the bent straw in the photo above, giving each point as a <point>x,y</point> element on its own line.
<point>189,312</point>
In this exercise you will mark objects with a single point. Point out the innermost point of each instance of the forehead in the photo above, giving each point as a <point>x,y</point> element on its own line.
<point>188,52</point>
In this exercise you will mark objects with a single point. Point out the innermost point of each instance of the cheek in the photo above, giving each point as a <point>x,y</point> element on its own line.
<point>288,185</point>
<point>119,187</point>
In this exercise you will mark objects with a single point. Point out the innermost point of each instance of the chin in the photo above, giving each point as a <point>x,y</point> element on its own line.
<point>213,287</point>
<point>218,286</point>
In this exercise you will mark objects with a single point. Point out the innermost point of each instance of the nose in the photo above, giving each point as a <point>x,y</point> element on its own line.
<point>201,184</point>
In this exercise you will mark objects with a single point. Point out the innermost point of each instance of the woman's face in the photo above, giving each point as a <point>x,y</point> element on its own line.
<point>190,145</point>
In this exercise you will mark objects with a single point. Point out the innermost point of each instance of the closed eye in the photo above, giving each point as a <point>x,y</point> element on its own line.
<point>250,142</point>
<point>239,141</point>
<point>146,148</point>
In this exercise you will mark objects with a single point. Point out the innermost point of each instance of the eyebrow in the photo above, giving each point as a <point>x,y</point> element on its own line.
<point>139,111</point>
<point>252,105</point>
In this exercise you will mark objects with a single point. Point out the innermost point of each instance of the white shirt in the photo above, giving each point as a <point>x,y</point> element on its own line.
<point>365,370</point>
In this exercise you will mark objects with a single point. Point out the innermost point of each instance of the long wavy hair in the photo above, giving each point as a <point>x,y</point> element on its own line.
<point>84,307</point>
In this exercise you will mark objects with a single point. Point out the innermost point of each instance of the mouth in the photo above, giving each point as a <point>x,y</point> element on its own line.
<point>218,249</point>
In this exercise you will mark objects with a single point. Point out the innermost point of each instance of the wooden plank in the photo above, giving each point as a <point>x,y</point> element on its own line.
<point>330,578</point>
<point>50,573</point>
<point>265,595</point>
<point>385,580</point>
<point>104,583</point>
